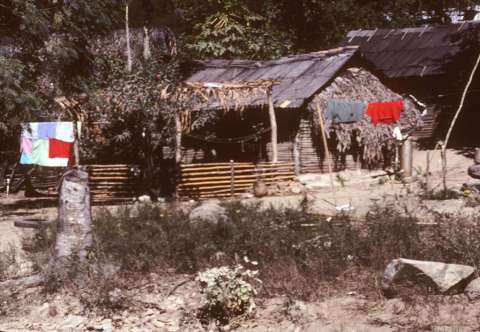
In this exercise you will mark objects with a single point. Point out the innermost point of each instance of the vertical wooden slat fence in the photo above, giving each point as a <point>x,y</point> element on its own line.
<point>228,179</point>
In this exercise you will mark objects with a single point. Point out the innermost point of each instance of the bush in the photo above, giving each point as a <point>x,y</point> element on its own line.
<point>227,292</point>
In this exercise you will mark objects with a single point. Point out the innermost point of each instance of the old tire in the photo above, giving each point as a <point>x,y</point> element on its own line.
<point>31,222</point>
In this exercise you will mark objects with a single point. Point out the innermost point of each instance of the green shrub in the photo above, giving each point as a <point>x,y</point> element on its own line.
<point>227,292</point>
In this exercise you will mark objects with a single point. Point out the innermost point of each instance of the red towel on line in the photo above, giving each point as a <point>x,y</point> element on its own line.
<point>61,149</point>
<point>385,112</point>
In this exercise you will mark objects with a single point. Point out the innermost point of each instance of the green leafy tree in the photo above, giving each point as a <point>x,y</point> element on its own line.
<point>45,54</point>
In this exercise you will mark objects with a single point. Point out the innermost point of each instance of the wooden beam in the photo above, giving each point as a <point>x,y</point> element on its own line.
<point>326,150</point>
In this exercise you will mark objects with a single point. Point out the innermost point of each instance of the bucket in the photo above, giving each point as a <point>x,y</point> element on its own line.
<point>477,156</point>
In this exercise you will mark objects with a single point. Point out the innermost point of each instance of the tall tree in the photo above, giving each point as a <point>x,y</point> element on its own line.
<point>45,52</point>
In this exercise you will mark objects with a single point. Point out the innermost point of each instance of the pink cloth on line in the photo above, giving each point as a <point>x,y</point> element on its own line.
<point>26,146</point>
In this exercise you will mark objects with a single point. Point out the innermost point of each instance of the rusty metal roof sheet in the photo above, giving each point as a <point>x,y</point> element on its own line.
<point>413,51</point>
<point>301,76</point>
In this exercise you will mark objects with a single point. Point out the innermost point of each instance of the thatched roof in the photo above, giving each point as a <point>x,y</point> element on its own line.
<point>359,85</point>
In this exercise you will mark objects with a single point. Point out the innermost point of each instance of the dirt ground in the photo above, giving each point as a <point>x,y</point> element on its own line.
<point>347,310</point>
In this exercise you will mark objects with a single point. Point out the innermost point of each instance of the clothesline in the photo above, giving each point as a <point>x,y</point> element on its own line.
<point>236,140</point>
<point>340,111</point>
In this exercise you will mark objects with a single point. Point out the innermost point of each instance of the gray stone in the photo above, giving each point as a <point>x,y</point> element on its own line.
<point>209,211</point>
<point>296,190</point>
<point>403,275</point>
<point>473,290</point>
<point>72,322</point>
<point>100,327</point>
<point>474,171</point>
<point>260,188</point>
<point>457,186</point>
<point>471,184</point>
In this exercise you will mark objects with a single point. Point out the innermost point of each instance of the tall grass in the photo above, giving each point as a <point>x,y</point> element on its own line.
<point>301,254</point>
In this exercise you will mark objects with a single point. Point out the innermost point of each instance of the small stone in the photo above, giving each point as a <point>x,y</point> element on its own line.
<point>72,322</point>
<point>117,317</point>
<point>296,190</point>
<point>144,199</point>
<point>157,323</point>
<point>149,312</point>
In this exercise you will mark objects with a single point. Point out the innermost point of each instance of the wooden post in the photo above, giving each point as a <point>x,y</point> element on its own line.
<point>178,139</point>
<point>76,151</point>
<point>326,150</point>
<point>406,161</point>
<point>232,178</point>
<point>273,125</point>
<point>296,153</point>
<point>396,157</point>
<point>444,166</point>
<point>427,185</point>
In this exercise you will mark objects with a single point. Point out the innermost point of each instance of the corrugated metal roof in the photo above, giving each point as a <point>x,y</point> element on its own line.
<point>301,76</point>
<point>411,51</point>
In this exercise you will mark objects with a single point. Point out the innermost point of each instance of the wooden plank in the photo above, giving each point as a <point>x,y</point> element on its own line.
<point>227,166</point>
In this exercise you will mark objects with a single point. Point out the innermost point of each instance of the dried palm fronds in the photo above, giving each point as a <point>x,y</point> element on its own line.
<point>358,85</point>
<point>227,95</point>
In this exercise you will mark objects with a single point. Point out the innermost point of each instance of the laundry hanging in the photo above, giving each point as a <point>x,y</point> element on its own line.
<point>340,111</point>
<point>388,112</point>
<point>48,144</point>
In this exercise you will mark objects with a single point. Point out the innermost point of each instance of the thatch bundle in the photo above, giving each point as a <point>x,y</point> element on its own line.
<point>358,85</point>
<point>227,95</point>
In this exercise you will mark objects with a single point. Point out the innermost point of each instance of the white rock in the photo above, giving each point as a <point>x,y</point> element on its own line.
<point>100,327</point>
<point>438,277</point>
<point>473,290</point>
<point>144,199</point>
<point>210,212</point>
<point>296,190</point>
<point>157,323</point>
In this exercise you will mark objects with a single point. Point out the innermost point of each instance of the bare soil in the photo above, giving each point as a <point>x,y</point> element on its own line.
<point>341,310</point>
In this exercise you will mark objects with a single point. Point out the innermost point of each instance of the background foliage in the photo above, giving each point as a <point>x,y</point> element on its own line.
<point>46,52</point>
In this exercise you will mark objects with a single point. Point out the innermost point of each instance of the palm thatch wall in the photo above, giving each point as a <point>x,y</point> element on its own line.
<point>359,85</point>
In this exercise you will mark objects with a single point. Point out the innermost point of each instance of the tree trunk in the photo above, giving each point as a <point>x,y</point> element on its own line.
<point>127,32</point>
<point>74,227</point>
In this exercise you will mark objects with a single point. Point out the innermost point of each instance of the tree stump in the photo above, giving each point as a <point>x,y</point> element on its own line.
<point>74,227</point>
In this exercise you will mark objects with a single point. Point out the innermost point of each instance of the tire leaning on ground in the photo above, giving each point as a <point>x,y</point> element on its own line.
<point>31,222</point>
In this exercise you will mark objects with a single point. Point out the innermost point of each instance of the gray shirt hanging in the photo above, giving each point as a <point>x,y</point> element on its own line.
<point>340,111</point>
